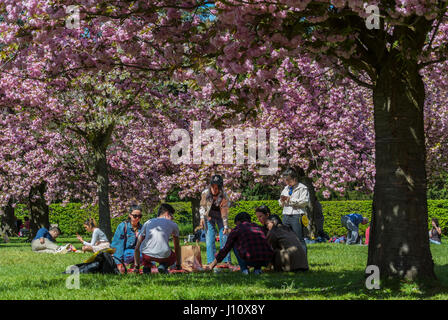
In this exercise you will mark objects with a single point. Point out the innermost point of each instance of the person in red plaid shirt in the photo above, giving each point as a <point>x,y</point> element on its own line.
<point>249,245</point>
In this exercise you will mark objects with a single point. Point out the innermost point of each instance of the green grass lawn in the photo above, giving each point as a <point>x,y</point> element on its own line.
<point>336,272</point>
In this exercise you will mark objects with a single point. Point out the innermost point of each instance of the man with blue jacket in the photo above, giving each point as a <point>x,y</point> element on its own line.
<point>351,223</point>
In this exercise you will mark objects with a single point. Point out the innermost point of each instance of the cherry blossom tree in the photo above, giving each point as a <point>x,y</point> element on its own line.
<point>242,48</point>
<point>388,59</point>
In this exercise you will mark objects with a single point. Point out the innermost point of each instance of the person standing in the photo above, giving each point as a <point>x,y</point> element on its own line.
<point>214,211</point>
<point>351,223</point>
<point>366,242</point>
<point>294,200</point>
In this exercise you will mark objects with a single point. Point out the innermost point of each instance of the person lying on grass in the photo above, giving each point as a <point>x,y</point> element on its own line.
<point>249,245</point>
<point>99,239</point>
<point>153,242</point>
<point>288,251</point>
<point>125,238</point>
<point>45,240</point>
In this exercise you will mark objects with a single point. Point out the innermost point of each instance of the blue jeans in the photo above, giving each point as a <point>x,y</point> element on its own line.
<point>434,241</point>
<point>210,237</point>
<point>295,223</point>
<point>244,265</point>
<point>352,228</point>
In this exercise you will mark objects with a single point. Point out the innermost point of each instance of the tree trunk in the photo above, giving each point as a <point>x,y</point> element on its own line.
<point>39,211</point>
<point>314,215</point>
<point>8,220</point>
<point>399,241</point>
<point>102,180</point>
<point>195,205</point>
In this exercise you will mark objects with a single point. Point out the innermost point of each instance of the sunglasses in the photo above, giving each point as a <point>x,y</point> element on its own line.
<point>136,216</point>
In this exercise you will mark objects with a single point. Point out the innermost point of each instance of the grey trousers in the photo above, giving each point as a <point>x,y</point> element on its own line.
<point>46,247</point>
<point>353,230</point>
<point>295,222</point>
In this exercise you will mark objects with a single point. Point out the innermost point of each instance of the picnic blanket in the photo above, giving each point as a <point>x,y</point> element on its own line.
<point>155,270</point>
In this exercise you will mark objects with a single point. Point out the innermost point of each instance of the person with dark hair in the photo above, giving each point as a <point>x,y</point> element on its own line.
<point>294,200</point>
<point>99,239</point>
<point>25,229</point>
<point>288,251</point>
<point>249,245</point>
<point>263,212</point>
<point>435,235</point>
<point>45,240</point>
<point>214,210</point>
<point>125,238</point>
<point>26,224</point>
<point>153,242</point>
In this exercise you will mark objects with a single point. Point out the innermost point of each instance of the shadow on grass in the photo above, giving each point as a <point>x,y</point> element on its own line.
<point>342,283</point>
<point>345,284</point>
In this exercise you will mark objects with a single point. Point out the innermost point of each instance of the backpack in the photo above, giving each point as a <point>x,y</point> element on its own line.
<point>103,263</point>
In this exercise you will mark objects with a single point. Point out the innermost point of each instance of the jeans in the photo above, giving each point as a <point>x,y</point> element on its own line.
<point>434,241</point>
<point>352,235</point>
<point>210,237</point>
<point>295,222</point>
<point>244,265</point>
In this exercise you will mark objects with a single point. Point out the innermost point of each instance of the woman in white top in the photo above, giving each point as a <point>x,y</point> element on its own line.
<point>99,240</point>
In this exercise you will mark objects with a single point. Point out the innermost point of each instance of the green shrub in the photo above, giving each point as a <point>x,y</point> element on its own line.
<point>71,217</point>
<point>334,210</point>
<point>250,206</point>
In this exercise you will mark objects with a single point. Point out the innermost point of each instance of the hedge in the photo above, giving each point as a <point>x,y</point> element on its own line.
<point>71,216</point>
<point>332,210</point>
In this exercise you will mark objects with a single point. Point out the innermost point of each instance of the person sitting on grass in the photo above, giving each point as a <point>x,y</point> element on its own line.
<point>153,242</point>
<point>249,245</point>
<point>263,212</point>
<point>99,239</point>
<point>351,223</point>
<point>125,238</point>
<point>288,251</point>
<point>436,232</point>
<point>45,240</point>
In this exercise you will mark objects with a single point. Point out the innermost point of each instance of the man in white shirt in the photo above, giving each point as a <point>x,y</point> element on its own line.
<point>153,242</point>
<point>294,200</point>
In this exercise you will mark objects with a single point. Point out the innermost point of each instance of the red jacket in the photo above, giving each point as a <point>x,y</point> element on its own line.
<point>367,235</point>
